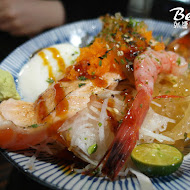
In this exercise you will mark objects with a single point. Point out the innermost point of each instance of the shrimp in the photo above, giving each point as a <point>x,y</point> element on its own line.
<point>146,66</point>
<point>18,125</point>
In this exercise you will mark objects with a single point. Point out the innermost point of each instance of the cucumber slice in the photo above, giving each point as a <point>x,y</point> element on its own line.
<point>156,160</point>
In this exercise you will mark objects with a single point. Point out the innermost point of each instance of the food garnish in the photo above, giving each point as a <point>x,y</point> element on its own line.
<point>50,80</point>
<point>34,126</point>
<point>156,160</point>
<point>92,149</point>
<point>7,86</point>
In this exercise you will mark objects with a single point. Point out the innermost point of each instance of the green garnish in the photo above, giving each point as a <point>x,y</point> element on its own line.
<point>88,45</point>
<point>50,80</point>
<point>76,52</point>
<point>72,62</point>
<point>128,59</point>
<point>100,63</point>
<point>157,60</point>
<point>131,22</point>
<point>34,126</point>
<point>178,61</point>
<point>116,60</point>
<point>167,92</point>
<point>99,124</point>
<point>93,73</point>
<point>122,62</point>
<point>103,56</point>
<point>95,172</point>
<point>81,84</point>
<point>141,105</point>
<point>82,78</point>
<point>113,34</point>
<point>92,149</point>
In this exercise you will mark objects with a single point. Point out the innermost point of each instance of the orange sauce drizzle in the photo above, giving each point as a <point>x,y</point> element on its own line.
<point>57,56</point>
<point>61,101</point>
<point>99,82</point>
<point>46,63</point>
<point>61,111</point>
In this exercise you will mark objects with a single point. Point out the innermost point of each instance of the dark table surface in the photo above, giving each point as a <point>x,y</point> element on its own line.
<point>11,178</point>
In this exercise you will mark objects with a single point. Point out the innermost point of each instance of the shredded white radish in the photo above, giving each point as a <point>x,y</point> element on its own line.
<point>91,116</point>
<point>95,110</point>
<point>43,147</point>
<point>84,133</point>
<point>118,102</point>
<point>156,104</point>
<point>144,181</point>
<point>152,135</point>
<point>103,117</point>
<point>96,104</point>
<point>30,164</point>
<point>152,126</point>
<point>112,91</point>
<point>86,158</point>
<point>78,170</point>
<point>124,171</point>
<point>108,93</point>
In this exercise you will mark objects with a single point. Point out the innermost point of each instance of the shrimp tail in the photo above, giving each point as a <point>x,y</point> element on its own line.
<point>126,136</point>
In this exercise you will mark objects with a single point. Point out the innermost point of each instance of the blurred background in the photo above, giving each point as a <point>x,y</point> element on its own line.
<point>10,38</point>
<point>10,177</point>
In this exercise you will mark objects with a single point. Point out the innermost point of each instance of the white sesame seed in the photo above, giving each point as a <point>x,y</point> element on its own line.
<point>120,53</point>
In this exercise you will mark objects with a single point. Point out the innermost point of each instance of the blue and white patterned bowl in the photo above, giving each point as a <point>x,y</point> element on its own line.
<point>54,173</point>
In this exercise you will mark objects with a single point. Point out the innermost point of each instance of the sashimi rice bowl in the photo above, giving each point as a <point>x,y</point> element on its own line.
<point>100,103</point>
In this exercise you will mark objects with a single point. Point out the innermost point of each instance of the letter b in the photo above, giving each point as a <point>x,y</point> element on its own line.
<point>179,13</point>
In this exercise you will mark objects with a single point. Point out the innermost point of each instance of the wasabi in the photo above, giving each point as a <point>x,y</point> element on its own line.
<point>7,86</point>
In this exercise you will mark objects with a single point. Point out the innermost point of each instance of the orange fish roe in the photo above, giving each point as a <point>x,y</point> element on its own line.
<point>159,46</point>
<point>92,60</point>
<point>113,50</point>
<point>96,60</point>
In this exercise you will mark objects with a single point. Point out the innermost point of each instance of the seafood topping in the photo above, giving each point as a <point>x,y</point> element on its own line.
<point>147,66</point>
<point>97,108</point>
<point>113,50</point>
